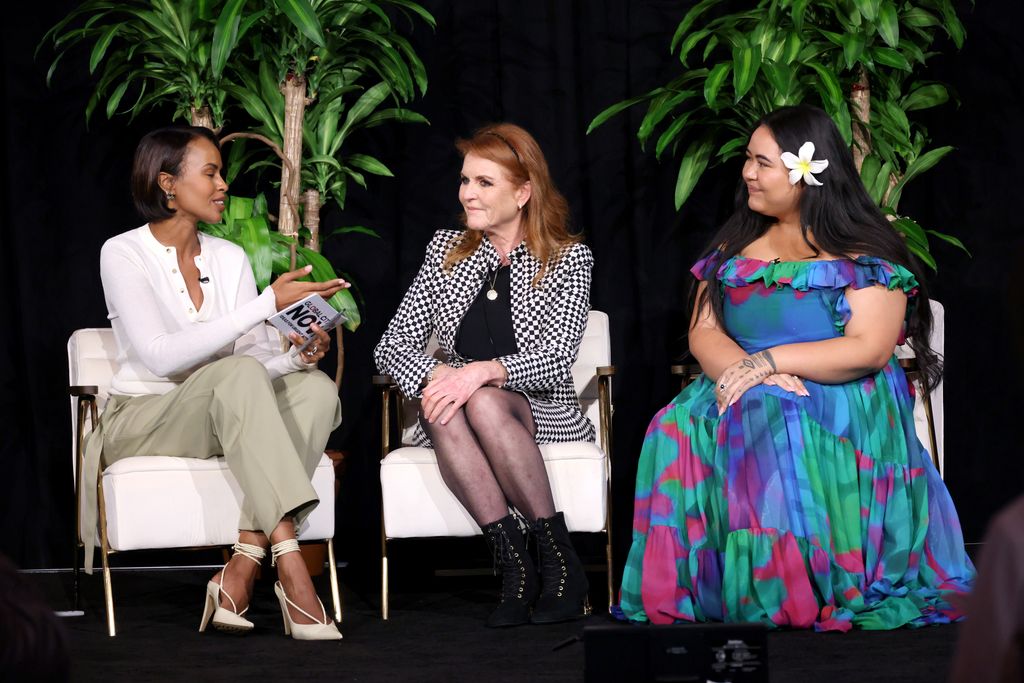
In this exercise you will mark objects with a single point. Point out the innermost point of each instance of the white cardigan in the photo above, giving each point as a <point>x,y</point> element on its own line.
<point>161,338</point>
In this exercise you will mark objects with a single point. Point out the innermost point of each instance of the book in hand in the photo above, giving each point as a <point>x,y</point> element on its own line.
<point>302,314</point>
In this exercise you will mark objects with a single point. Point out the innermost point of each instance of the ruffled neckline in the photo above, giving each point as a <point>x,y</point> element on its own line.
<point>860,272</point>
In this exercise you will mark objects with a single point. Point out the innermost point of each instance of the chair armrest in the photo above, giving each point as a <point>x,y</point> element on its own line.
<point>686,369</point>
<point>83,390</point>
<point>605,371</point>
<point>908,363</point>
<point>383,381</point>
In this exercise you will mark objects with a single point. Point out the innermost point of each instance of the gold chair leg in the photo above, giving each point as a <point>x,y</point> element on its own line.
<point>335,593</point>
<point>931,433</point>
<point>108,590</point>
<point>385,610</point>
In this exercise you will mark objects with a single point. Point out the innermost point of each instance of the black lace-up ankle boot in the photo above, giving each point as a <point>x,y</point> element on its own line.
<point>519,584</point>
<point>564,584</point>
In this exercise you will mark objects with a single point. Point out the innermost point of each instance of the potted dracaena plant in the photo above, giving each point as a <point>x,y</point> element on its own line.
<point>860,60</point>
<point>309,73</point>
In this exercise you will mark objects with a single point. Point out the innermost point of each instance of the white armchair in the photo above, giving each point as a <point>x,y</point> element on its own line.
<point>417,504</point>
<point>159,502</point>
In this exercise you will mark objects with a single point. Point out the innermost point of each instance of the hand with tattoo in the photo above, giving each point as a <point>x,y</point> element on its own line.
<point>742,375</point>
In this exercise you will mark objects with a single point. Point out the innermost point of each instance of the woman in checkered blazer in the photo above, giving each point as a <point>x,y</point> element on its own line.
<point>507,299</point>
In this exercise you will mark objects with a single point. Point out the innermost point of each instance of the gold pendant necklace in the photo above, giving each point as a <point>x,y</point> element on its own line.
<point>492,293</point>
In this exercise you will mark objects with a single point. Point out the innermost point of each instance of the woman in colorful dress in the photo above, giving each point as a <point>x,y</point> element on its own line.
<point>786,485</point>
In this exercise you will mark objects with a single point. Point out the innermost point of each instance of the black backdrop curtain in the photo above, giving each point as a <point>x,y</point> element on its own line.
<point>549,66</point>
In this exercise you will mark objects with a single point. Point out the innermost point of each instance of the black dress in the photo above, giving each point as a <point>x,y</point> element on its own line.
<point>486,331</point>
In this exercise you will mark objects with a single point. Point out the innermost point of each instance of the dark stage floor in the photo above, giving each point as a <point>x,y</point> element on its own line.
<point>431,636</point>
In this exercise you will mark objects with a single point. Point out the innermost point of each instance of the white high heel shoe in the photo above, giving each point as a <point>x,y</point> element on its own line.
<point>230,620</point>
<point>323,629</point>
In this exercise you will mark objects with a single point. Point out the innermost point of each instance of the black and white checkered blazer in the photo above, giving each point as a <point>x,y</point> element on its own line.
<point>548,321</point>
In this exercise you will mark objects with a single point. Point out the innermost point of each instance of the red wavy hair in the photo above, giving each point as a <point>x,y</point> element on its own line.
<point>545,215</point>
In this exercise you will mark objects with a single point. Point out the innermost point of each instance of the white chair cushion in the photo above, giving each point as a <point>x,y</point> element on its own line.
<point>162,502</point>
<point>418,504</point>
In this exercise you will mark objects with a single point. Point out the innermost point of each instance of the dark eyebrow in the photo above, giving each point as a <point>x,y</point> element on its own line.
<point>212,165</point>
<point>759,157</point>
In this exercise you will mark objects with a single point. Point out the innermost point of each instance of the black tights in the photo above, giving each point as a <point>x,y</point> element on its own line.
<point>489,459</point>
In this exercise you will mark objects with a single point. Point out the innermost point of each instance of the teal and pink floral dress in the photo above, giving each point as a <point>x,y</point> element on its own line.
<point>822,511</point>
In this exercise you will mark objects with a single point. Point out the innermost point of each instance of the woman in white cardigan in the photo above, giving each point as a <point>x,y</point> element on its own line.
<point>199,374</point>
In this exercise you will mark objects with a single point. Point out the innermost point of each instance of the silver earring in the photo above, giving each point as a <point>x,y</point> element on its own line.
<point>169,195</point>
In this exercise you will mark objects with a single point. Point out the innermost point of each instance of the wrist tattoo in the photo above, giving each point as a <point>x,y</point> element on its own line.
<point>760,364</point>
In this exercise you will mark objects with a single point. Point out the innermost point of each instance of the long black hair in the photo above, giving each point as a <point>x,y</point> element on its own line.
<point>840,216</point>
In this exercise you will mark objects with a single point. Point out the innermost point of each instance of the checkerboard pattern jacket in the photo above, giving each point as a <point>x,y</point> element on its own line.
<point>548,320</point>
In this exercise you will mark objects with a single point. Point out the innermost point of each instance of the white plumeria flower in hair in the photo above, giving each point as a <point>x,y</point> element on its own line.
<point>803,165</point>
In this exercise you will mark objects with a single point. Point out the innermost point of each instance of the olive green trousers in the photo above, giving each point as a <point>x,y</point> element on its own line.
<point>272,434</point>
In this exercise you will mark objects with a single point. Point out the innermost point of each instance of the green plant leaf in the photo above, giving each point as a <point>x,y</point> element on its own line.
<point>916,168</point>
<point>613,110</point>
<point>844,123</point>
<point>400,115</point>
<point>714,82</point>
<point>798,11</point>
<point>303,17</point>
<point>949,238</point>
<point>353,229</point>
<point>342,301</point>
<point>659,108</point>
<point>828,86</point>
<point>688,20</point>
<point>254,234</point>
<point>919,18</point>
<point>225,35</point>
<point>115,98</point>
<point>671,133</point>
<point>369,164</point>
<point>869,171</point>
<point>913,232</point>
<point>746,64</point>
<point>853,47</point>
<point>889,23</point>
<point>691,42</point>
<point>890,57</point>
<point>867,8</point>
<point>731,147</point>
<point>362,108</point>
<point>952,25</point>
<point>238,208</point>
<point>324,159</point>
<point>338,191</point>
<point>100,48</point>
<point>791,48</point>
<point>356,176</point>
<point>923,255</point>
<point>694,162</point>
<point>418,9</point>
<point>881,183</point>
<point>925,97</point>
<point>780,76</point>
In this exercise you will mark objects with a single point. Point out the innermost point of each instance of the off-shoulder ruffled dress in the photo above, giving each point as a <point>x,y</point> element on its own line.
<point>822,511</point>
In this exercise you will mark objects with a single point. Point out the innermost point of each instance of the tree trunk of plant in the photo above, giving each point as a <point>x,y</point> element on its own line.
<point>860,100</point>
<point>294,90</point>
<point>202,117</point>
<point>311,218</point>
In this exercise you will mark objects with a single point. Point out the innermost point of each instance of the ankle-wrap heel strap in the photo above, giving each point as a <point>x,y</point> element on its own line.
<point>284,547</point>
<point>253,552</point>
